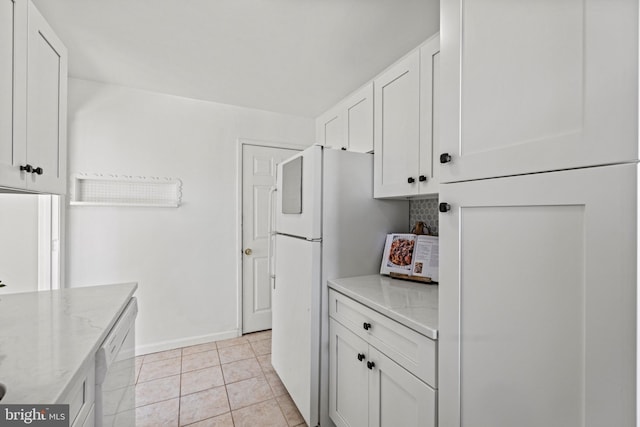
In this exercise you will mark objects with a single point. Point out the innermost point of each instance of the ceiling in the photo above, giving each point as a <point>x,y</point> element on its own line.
<point>290,56</point>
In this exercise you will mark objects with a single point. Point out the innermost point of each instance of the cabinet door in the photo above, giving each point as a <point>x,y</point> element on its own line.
<point>538,300</point>
<point>13,50</point>
<point>397,398</point>
<point>537,86</point>
<point>397,128</point>
<point>358,114</point>
<point>46,106</point>
<point>349,376</point>
<point>330,129</point>
<point>429,116</point>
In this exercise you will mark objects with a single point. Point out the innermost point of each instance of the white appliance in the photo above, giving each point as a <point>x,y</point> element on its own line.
<point>327,225</point>
<point>115,373</point>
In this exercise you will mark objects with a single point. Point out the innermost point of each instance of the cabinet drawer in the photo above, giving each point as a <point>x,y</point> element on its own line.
<point>413,351</point>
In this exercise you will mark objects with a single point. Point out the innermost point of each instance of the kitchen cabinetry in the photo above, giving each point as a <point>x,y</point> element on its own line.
<point>381,372</point>
<point>81,395</point>
<point>406,124</point>
<point>538,299</point>
<point>13,78</point>
<point>33,118</point>
<point>349,125</point>
<point>538,270</point>
<point>537,87</point>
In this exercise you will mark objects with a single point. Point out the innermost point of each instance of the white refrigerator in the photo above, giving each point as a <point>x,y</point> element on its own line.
<point>327,225</point>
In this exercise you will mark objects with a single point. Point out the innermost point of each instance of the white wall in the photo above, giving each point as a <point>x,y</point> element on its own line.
<point>184,259</point>
<point>18,243</point>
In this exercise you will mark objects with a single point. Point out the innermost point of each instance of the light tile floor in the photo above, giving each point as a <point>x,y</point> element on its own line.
<point>217,384</point>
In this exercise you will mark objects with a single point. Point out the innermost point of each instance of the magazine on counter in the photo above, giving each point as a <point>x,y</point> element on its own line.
<point>411,255</point>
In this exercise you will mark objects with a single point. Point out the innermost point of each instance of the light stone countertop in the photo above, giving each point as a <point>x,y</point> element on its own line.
<point>412,304</point>
<point>47,337</point>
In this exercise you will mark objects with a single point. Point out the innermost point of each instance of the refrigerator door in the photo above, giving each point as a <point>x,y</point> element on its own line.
<point>296,317</point>
<point>299,196</point>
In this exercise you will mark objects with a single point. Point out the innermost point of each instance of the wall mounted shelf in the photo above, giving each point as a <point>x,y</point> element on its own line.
<point>124,190</point>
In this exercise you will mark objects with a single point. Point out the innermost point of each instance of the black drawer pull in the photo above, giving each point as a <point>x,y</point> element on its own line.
<point>445,158</point>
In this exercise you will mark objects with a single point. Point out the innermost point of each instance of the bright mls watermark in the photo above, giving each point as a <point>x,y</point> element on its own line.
<point>34,415</point>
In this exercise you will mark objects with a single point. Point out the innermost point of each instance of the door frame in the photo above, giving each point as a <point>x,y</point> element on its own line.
<point>239,258</point>
<point>51,216</point>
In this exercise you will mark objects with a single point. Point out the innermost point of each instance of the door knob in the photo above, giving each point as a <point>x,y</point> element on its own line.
<point>248,251</point>
<point>371,365</point>
<point>411,180</point>
<point>422,178</point>
<point>360,357</point>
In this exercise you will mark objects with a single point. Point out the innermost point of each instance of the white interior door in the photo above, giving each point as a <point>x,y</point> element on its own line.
<point>258,177</point>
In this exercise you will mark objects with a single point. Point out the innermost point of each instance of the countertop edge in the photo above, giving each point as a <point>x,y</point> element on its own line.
<point>91,354</point>
<point>420,328</point>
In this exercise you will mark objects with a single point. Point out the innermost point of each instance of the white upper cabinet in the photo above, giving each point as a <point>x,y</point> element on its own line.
<point>33,75</point>
<point>330,128</point>
<point>349,125</point>
<point>46,107</point>
<point>397,128</point>
<point>406,124</point>
<point>537,86</point>
<point>13,50</point>
<point>358,108</point>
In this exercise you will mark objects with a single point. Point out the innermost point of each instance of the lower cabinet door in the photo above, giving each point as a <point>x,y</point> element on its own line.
<point>396,397</point>
<point>537,300</point>
<point>349,376</point>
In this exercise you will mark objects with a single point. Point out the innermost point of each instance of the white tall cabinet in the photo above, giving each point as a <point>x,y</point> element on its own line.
<point>538,270</point>
<point>33,121</point>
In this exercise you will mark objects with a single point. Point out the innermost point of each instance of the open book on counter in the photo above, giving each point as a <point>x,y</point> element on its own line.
<point>411,256</point>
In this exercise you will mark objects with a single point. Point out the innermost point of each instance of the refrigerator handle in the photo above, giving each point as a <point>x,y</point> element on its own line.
<point>270,233</point>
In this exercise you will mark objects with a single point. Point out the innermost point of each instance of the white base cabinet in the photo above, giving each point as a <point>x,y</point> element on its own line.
<point>367,387</point>
<point>80,396</point>
<point>538,300</point>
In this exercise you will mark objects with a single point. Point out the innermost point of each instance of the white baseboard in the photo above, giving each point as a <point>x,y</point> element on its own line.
<point>185,342</point>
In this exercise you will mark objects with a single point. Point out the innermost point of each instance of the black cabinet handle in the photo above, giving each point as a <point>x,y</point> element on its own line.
<point>445,158</point>
<point>344,148</point>
<point>26,168</point>
<point>371,365</point>
<point>38,171</point>
<point>366,326</point>
<point>422,178</point>
<point>360,357</point>
<point>411,180</point>
<point>444,207</point>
